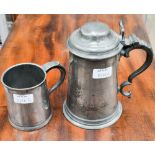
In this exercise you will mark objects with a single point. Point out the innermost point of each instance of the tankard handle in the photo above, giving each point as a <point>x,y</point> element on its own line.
<point>129,44</point>
<point>52,65</point>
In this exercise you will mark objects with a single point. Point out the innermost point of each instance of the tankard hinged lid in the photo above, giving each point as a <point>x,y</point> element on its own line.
<point>94,40</point>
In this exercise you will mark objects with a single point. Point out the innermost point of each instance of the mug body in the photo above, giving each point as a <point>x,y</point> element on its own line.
<point>92,94</point>
<point>27,95</point>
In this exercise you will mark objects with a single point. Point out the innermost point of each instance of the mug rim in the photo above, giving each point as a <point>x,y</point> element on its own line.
<point>20,64</point>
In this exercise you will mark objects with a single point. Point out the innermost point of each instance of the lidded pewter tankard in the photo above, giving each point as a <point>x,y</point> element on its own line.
<point>95,51</point>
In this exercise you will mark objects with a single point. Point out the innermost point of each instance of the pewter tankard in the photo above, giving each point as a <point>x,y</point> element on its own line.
<point>95,51</point>
<point>27,94</point>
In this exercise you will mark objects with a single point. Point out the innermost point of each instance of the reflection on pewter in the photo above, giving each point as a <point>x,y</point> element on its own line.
<point>95,51</point>
<point>27,94</point>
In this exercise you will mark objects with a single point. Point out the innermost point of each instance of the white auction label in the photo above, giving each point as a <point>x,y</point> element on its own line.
<point>23,99</point>
<point>102,73</point>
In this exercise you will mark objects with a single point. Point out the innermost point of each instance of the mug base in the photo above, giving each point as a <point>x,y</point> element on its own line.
<point>92,124</point>
<point>32,128</point>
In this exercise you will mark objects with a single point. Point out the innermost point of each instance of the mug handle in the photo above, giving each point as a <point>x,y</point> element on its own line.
<point>129,44</point>
<point>52,65</point>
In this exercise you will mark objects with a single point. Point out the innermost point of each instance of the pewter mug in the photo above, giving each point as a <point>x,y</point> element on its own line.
<point>95,51</point>
<point>27,94</point>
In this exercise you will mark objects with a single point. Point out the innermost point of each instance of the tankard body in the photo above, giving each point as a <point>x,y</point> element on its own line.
<point>27,94</point>
<point>29,109</point>
<point>95,51</point>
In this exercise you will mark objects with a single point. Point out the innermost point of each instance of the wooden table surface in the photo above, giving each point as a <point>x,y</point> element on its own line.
<point>42,38</point>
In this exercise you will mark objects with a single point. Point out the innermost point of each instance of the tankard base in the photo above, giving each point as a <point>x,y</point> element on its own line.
<point>32,128</point>
<point>93,124</point>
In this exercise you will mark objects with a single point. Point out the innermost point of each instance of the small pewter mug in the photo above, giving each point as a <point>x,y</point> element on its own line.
<point>95,51</point>
<point>27,94</point>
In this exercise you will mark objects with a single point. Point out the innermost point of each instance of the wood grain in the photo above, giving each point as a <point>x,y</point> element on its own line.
<point>42,38</point>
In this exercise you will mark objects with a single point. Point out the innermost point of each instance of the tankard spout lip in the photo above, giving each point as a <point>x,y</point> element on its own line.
<point>27,88</point>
